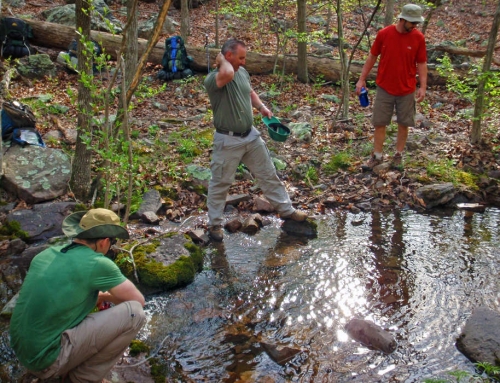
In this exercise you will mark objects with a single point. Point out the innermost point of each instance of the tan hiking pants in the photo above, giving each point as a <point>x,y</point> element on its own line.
<point>227,154</point>
<point>91,349</point>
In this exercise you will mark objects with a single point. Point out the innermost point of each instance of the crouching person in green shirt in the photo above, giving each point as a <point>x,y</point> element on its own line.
<point>53,330</point>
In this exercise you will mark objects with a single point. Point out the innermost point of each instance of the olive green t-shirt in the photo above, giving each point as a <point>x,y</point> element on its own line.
<point>59,291</point>
<point>231,104</point>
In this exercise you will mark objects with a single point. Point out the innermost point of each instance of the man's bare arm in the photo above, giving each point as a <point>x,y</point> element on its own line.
<point>369,63</point>
<point>125,291</point>
<point>226,71</point>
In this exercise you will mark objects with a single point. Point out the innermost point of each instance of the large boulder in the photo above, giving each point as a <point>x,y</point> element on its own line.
<point>66,15</point>
<point>43,221</point>
<point>35,174</point>
<point>165,263</point>
<point>480,338</point>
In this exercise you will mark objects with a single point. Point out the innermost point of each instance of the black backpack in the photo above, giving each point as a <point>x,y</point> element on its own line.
<point>176,63</point>
<point>14,34</point>
<point>18,124</point>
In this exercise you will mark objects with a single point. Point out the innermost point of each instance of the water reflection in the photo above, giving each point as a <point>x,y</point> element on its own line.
<point>271,307</point>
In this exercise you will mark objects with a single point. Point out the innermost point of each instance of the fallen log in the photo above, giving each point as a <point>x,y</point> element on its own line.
<point>465,52</point>
<point>59,36</point>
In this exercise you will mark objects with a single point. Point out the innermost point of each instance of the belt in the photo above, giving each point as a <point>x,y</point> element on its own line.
<point>235,134</point>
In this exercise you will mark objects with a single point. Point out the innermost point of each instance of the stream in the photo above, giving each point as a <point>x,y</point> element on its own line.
<point>268,296</point>
<point>417,275</point>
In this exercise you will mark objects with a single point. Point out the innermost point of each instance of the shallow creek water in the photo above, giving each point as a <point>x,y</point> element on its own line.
<point>420,276</point>
<point>417,275</point>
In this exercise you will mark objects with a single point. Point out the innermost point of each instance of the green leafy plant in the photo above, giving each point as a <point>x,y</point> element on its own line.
<point>338,161</point>
<point>312,175</point>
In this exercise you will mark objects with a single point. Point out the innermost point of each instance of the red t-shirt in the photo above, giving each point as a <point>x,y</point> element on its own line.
<point>399,55</point>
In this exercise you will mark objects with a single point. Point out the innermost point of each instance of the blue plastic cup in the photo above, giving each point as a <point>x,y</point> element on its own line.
<point>364,101</point>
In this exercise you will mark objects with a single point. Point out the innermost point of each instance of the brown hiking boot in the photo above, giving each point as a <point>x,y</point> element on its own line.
<point>397,161</point>
<point>372,162</point>
<point>297,215</point>
<point>216,233</point>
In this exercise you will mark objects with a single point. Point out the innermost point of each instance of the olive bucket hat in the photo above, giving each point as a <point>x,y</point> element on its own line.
<point>93,224</point>
<point>412,13</point>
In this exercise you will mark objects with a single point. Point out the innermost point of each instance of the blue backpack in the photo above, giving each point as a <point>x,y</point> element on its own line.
<point>18,125</point>
<point>176,63</point>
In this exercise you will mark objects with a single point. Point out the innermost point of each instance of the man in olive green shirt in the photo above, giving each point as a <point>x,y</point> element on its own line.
<point>236,140</point>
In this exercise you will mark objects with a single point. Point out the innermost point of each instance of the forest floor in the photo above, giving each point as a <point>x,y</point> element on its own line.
<point>173,125</point>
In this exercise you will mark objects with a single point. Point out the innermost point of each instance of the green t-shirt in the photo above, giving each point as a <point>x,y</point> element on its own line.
<point>59,291</point>
<point>231,104</point>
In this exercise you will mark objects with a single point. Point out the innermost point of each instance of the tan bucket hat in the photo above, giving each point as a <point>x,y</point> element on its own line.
<point>93,224</point>
<point>412,13</point>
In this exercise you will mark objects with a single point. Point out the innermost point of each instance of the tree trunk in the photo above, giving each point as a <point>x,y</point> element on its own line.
<point>131,35</point>
<point>478,108</point>
<point>389,13</point>
<point>302,75</point>
<point>344,80</point>
<point>59,36</point>
<point>81,173</point>
<point>184,20</point>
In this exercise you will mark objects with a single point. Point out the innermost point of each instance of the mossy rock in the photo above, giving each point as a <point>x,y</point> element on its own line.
<point>168,262</point>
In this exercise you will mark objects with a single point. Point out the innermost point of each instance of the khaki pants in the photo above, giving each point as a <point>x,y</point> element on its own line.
<point>91,349</point>
<point>255,156</point>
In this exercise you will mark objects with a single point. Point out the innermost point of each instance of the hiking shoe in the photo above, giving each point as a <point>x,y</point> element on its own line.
<point>297,215</point>
<point>397,161</point>
<point>372,162</point>
<point>215,232</point>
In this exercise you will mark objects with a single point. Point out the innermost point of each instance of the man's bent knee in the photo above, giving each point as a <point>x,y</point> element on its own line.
<point>136,313</point>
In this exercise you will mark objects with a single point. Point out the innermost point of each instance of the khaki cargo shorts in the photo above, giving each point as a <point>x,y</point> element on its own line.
<point>383,108</point>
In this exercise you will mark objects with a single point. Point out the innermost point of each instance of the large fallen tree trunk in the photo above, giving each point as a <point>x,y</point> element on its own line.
<point>59,36</point>
<point>466,52</point>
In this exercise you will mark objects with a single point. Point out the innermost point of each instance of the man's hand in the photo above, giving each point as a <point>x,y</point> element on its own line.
<point>360,84</point>
<point>266,112</point>
<point>219,60</point>
<point>420,95</point>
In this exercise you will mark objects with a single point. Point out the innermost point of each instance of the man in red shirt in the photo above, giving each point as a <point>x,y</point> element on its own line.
<point>402,53</point>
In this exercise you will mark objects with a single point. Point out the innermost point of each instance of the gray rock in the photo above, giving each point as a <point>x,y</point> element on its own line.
<point>150,217</point>
<point>300,229</point>
<point>37,66</point>
<point>261,204</point>
<point>151,201</point>
<point>198,236</point>
<point>480,338</point>
<point>371,335</point>
<point>36,174</point>
<point>437,194</point>
<point>43,221</point>
<point>145,28</point>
